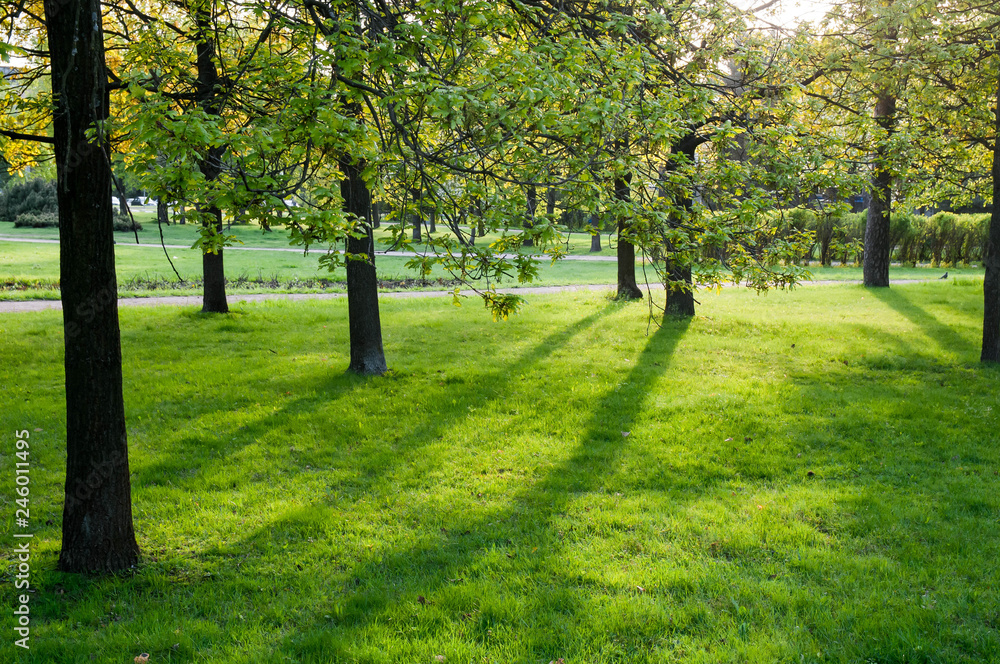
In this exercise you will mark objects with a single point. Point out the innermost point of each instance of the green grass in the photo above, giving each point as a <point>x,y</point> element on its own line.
<point>34,268</point>
<point>802,477</point>
<point>31,271</point>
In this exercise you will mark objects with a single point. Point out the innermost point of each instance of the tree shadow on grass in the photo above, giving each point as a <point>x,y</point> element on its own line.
<point>946,337</point>
<point>460,565</point>
<point>378,455</point>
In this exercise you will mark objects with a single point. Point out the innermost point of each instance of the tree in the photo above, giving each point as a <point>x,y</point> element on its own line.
<point>97,531</point>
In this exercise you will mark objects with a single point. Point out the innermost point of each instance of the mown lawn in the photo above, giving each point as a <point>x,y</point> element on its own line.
<point>802,477</point>
<point>31,271</point>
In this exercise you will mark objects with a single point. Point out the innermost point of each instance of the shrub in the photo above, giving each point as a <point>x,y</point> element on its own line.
<point>904,236</point>
<point>940,233</point>
<point>37,220</point>
<point>30,197</point>
<point>124,224</point>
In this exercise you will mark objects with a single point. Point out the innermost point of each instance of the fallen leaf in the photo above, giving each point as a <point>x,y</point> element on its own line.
<point>626,434</point>
<point>438,658</point>
<point>144,657</point>
<point>728,439</point>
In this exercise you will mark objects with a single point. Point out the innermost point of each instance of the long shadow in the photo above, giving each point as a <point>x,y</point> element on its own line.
<point>380,457</point>
<point>946,337</point>
<point>474,544</point>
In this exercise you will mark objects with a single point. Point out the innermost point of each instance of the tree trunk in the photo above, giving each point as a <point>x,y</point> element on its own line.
<point>680,302</point>
<point>530,208</point>
<point>877,249</point>
<point>162,215</point>
<point>367,355</point>
<point>595,239</point>
<point>207,92</point>
<point>417,221</point>
<point>122,204</point>
<point>432,220</point>
<point>991,285</point>
<point>97,531</point>
<point>550,202</point>
<point>628,289</point>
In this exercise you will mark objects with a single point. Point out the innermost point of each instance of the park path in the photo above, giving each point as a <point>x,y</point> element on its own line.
<point>401,254</point>
<point>195,300</point>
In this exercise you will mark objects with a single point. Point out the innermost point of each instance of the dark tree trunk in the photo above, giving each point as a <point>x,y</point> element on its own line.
<point>214,292</point>
<point>628,289</point>
<point>550,202</point>
<point>376,215</point>
<point>367,355</point>
<point>680,301</point>
<point>417,221</point>
<point>595,239</point>
<point>97,532</point>
<point>208,88</point>
<point>432,220</point>
<point>162,215</point>
<point>991,286</point>
<point>877,245</point>
<point>531,205</point>
<point>122,204</point>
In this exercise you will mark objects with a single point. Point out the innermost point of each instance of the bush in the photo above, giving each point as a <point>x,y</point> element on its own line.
<point>37,220</point>
<point>123,224</point>
<point>31,197</point>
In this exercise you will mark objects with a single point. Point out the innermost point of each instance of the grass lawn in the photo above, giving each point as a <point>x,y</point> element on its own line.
<point>31,271</point>
<point>803,477</point>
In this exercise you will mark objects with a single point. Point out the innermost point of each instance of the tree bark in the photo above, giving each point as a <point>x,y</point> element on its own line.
<point>595,239</point>
<point>991,285</point>
<point>97,530</point>
<point>367,355</point>
<point>417,221</point>
<point>681,302</point>
<point>432,220</point>
<point>877,249</point>
<point>628,289</point>
<point>208,88</point>
<point>550,202</point>
<point>162,215</point>
<point>531,205</point>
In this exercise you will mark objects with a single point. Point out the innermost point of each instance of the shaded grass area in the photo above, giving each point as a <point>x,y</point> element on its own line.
<point>807,476</point>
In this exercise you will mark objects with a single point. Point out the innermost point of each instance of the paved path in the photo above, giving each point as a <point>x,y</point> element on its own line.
<point>402,254</point>
<point>195,300</point>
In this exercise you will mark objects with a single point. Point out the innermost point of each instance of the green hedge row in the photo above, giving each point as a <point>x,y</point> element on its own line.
<point>122,223</point>
<point>941,239</point>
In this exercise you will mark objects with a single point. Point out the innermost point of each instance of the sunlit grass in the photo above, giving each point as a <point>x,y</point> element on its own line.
<point>31,271</point>
<point>806,476</point>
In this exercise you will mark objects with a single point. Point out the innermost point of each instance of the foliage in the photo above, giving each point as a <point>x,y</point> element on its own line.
<point>29,196</point>
<point>124,223</point>
<point>37,220</point>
